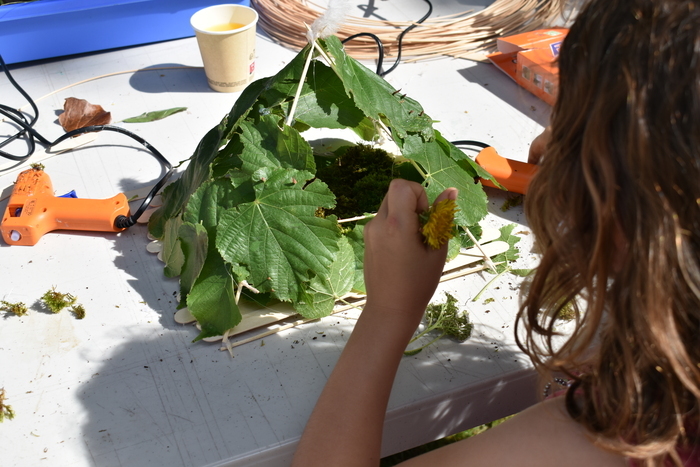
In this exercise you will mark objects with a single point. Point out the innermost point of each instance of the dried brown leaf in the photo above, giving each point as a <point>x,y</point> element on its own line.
<point>79,113</point>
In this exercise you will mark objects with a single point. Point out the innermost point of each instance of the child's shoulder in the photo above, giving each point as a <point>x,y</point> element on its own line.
<point>543,435</point>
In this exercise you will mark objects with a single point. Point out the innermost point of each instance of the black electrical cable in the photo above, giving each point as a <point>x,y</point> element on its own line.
<point>468,142</point>
<point>121,222</point>
<point>21,120</point>
<point>380,46</point>
<point>403,33</point>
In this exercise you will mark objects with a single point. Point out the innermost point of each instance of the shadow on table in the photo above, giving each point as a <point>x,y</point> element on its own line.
<point>504,384</point>
<point>501,86</point>
<point>145,275</point>
<point>170,77</point>
<point>159,400</point>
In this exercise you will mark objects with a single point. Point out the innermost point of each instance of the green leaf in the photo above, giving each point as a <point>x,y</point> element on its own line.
<point>212,199</point>
<point>376,97</point>
<point>512,253</point>
<point>324,291</point>
<point>277,236</point>
<point>442,172</point>
<point>212,299</point>
<point>176,195</point>
<point>328,106</point>
<point>357,242</point>
<point>155,115</point>
<point>194,242</point>
<point>266,145</point>
<point>173,255</point>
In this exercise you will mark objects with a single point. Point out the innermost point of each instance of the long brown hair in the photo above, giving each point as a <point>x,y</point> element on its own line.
<point>615,209</point>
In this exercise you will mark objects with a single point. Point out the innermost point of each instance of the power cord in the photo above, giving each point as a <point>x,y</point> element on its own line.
<point>468,142</point>
<point>27,131</point>
<point>380,46</point>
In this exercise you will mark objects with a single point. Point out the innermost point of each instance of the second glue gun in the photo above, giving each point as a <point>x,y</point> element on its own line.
<point>513,175</point>
<point>33,210</point>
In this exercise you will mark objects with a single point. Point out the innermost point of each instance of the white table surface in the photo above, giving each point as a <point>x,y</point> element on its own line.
<point>126,386</point>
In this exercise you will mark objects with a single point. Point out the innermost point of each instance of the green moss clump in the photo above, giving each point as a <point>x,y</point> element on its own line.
<point>56,301</point>
<point>78,310</point>
<point>359,178</point>
<point>512,202</point>
<point>5,410</point>
<point>19,308</point>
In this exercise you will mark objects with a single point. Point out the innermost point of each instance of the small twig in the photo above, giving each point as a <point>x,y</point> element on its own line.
<point>271,332</point>
<point>296,323</point>
<point>464,272</point>
<point>323,54</point>
<point>358,218</point>
<point>245,284</point>
<point>290,117</point>
<point>227,343</point>
<point>487,260</point>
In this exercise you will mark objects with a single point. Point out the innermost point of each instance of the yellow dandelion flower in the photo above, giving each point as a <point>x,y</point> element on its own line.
<point>438,223</point>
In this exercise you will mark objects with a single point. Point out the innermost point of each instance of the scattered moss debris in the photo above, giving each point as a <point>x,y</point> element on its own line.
<point>445,318</point>
<point>56,301</point>
<point>359,177</point>
<point>19,308</point>
<point>512,201</point>
<point>6,411</point>
<point>567,312</point>
<point>78,310</point>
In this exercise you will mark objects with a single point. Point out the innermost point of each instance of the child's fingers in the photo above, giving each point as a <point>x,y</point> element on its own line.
<point>405,199</point>
<point>449,193</point>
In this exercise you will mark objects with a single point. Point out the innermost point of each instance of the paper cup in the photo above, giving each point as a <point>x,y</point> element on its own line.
<point>226,38</point>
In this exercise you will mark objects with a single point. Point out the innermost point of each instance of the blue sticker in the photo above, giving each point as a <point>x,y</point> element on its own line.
<point>555,48</point>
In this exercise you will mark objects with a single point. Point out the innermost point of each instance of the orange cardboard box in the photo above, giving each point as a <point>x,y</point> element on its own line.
<point>530,59</point>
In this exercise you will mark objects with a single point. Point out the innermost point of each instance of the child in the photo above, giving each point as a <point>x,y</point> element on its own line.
<point>615,209</point>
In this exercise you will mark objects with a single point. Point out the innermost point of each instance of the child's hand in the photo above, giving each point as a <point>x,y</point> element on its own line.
<point>401,271</point>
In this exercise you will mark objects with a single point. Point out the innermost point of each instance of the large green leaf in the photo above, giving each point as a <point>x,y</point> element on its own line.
<point>325,104</point>
<point>442,172</point>
<point>265,144</point>
<point>278,237</point>
<point>176,195</point>
<point>357,242</point>
<point>212,299</point>
<point>194,242</point>
<point>173,255</point>
<point>376,97</point>
<point>325,291</point>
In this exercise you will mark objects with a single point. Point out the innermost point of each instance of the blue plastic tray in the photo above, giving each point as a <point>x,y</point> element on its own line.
<point>53,28</point>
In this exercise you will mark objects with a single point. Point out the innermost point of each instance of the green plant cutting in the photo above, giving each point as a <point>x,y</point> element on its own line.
<point>254,205</point>
<point>445,319</point>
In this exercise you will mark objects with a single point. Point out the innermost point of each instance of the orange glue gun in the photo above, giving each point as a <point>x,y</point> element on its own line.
<point>515,176</point>
<point>33,210</point>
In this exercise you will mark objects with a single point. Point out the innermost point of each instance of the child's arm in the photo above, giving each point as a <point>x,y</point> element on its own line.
<point>401,274</point>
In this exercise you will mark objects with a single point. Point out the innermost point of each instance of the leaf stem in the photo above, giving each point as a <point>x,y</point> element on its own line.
<point>497,276</point>
<point>418,168</point>
<point>408,353</point>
